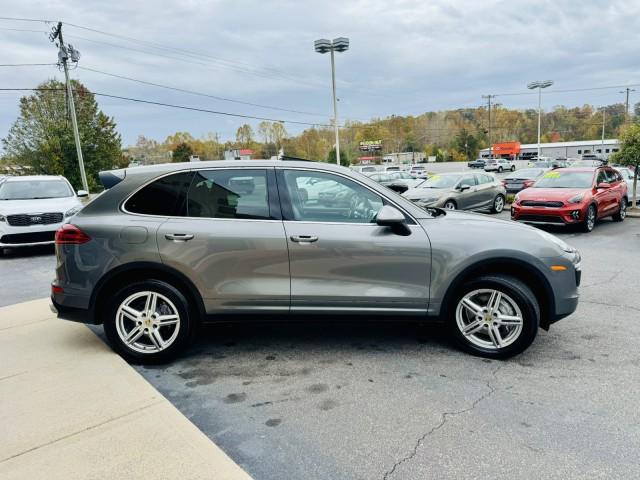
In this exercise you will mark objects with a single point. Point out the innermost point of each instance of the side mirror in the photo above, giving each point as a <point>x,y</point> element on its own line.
<point>603,186</point>
<point>462,188</point>
<point>83,193</point>
<point>389,216</point>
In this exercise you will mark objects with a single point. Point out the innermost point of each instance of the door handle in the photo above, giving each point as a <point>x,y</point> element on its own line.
<point>178,237</point>
<point>303,238</point>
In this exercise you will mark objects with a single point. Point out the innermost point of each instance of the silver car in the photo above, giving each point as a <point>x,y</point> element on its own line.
<point>168,247</point>
<point>459,191</point>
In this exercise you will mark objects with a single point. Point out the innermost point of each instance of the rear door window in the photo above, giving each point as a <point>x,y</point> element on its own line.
<point>229,193</point>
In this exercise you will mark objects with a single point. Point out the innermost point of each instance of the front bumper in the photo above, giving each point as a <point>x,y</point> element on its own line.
<point>569,214</point>
<point>28,236</point>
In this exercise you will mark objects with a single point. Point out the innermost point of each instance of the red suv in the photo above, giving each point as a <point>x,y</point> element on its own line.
<point>573,196</point>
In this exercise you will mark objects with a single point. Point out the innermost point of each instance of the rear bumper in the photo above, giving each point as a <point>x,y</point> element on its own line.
<point>71,307</point>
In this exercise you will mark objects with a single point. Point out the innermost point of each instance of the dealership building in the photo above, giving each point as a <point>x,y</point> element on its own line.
<point>525,151</point>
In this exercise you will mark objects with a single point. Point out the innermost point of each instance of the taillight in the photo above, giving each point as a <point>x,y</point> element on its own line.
<point>69,234</point>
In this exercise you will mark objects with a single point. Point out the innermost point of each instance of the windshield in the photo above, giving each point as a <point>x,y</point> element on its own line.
<point>558,179</point>
<point>526,173</point>
<point>34,189</point>
<point>440,181</point>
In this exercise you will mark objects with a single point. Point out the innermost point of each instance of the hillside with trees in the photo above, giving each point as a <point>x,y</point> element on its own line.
<point>453,135</point>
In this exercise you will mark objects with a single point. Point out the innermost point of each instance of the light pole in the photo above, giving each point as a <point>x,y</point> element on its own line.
<point>626,103</point>
<point>340,44</point>
<point>539,85</point>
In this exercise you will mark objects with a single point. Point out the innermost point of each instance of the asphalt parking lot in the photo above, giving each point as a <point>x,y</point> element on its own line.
<point>381,401</point>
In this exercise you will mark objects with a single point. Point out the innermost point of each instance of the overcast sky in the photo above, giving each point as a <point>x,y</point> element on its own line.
<point>406,57</point>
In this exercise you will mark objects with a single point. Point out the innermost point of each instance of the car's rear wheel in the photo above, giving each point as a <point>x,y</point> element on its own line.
<point>450,205</point>
<point>494,316</point>
<point>513,168</point>
<point>498,204</point>
<point>148,322</point>
<point>589,219</point>
<point>622,213</point>
<point>499,169</point>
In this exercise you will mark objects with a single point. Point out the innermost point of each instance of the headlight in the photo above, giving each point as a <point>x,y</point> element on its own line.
<point>576,199</point>
<point>3,218</point>
<point>427,200</point>
<point>72,212</point>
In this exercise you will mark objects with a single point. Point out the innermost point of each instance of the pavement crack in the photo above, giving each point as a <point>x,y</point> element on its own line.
<point>443,420</point>
<point>619,305</point>
<point>604,282</point>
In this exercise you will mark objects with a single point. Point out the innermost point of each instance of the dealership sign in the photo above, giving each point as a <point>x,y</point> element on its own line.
<point>370,145</point>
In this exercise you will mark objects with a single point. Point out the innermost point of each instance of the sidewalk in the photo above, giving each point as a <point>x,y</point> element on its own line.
<point>72,409</point>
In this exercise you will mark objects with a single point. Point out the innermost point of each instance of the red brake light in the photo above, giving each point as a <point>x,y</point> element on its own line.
<point>69,234</point>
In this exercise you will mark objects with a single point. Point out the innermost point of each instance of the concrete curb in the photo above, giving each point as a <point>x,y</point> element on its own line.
<point>72,409</point>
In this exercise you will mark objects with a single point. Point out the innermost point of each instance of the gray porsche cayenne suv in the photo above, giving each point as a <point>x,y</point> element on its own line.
<point>167,248</point>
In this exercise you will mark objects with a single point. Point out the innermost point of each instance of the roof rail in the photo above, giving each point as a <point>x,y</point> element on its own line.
<point>294,159</point>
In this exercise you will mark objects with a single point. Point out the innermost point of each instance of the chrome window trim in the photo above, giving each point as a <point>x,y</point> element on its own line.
<point>176,172</point>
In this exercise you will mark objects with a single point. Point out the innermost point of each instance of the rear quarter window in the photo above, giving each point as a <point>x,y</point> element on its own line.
<point>162,197</point>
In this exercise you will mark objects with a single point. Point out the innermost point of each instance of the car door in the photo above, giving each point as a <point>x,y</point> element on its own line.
<point>486,190</point>
<point>618,188</point>
<point>341,260</point>
<point>603,196</point>
<point>229,240</point>
<point>468,198</point>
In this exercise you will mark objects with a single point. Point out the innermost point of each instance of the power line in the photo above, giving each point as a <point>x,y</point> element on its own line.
<point>192,92</point>
<point>26,64</point>
<point>27,19</point>
<point>171,105</point>
<point>569,90</point>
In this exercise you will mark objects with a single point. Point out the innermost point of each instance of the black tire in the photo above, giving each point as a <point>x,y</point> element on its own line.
<point>513,168</point>
<point>587,225</point>
<point>187,322</point>
<point>622,212</point>
<point>454,205</point>
<point>523,297</point>
<point>498,204</point>
<point>499,169</point>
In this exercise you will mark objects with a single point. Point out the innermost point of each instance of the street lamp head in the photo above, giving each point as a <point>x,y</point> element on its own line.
<point>323,45</point>
<point>341,44</point>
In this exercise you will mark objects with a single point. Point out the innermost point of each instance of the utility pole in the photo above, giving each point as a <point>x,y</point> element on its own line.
<point>604,113</point>
<point>489,97</point>
<point>64,54</point>
<point>626,103</point>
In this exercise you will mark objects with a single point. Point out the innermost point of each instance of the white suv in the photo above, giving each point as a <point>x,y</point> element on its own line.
<point>499,165</point>
<point>32,208</point>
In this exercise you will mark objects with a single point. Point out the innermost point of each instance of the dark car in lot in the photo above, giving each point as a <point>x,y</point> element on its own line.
<point>573,196</point>
<point>477,163</point>
<point>169,247</point>
<point>521,179</point>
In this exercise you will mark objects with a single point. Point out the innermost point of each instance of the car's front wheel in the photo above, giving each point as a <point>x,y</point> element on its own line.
<point>513,168</point>
<point>499,169</point>
<point>494,316</point>
<point>450,205</point>
<point>148,322</point>
<point>589,219</point>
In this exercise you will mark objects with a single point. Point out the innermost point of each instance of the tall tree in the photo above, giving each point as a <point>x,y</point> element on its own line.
<point>42,136</point>
<point>244,135</point>
<point>182,152</point>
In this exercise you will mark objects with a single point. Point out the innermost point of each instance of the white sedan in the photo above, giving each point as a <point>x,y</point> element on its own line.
<point>627,174</point>
<point>32,208</point>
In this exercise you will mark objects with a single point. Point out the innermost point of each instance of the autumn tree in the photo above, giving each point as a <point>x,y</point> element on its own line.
<point>182,152</point>
<point>244,135</point>
<point>629,154</point>
<point>42,135</point>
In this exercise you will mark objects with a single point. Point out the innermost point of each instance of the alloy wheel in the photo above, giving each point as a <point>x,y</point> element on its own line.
<point>498,204</point>
<point>147,322</point>
<point>623,209</point>
<point>450,205</point>
<point>489,319</point>
<point>591,218</point>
